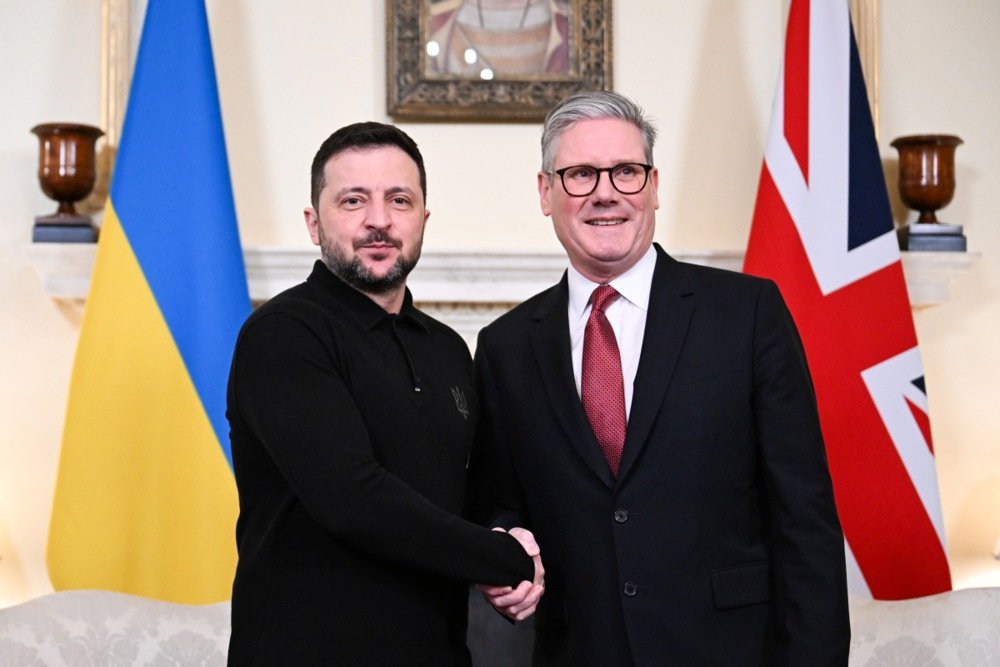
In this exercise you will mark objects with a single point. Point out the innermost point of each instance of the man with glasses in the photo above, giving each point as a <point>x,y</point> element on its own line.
<point>654,424</point>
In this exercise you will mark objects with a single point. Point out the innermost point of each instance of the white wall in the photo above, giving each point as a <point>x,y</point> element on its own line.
<point>940,74</point>
<point>705,71</point>
<point>49,71</point>
<point>292,72</point>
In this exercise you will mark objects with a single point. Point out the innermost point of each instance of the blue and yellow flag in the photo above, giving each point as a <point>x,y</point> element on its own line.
<point>145,499</point>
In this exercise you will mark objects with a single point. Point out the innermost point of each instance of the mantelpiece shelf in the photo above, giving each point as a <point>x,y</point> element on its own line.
<point>467,289</point>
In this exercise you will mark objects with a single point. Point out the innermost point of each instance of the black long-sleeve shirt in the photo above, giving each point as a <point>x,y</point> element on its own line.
<point>351,428</point>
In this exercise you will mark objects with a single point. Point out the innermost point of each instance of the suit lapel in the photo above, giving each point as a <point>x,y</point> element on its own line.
<point>551,347</point>
<point>671,303</point>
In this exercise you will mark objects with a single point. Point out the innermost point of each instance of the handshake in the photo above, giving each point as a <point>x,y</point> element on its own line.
<point>518,603</point>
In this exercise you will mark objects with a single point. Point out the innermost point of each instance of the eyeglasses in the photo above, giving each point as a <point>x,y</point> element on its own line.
<point>627,178</point>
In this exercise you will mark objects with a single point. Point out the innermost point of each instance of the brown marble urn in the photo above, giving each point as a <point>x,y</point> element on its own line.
<point>67,173</point>
<point>926,185</point>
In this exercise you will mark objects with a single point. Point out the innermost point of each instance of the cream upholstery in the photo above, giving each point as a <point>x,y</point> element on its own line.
<point>72,628</point>
<point>957,628</point>
<point>92,627</point>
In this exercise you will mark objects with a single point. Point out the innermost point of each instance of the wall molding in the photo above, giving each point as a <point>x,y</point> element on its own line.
<point>466,289</point>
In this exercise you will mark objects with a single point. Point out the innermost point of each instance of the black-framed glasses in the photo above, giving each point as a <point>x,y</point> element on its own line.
<point>627,178</point>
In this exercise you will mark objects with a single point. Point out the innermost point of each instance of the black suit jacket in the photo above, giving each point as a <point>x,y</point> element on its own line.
<point>719,541</point>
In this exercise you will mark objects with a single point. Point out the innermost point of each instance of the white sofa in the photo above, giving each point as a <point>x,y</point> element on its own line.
<point>960,628</point>
<point>72,628</point>
<point>98,628</point>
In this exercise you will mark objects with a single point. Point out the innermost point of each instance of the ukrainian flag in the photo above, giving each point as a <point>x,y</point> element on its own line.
<point>145,499</point>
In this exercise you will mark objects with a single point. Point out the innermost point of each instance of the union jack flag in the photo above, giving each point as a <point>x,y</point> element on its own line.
<point>822,229</point>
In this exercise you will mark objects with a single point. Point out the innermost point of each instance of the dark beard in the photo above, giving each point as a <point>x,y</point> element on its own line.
<point>358,276</point>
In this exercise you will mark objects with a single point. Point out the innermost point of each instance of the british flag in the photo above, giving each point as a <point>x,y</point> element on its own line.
<point>823,230</point>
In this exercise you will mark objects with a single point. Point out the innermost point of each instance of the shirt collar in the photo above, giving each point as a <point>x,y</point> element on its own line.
<point>634,285</point>
<point>369,313</point>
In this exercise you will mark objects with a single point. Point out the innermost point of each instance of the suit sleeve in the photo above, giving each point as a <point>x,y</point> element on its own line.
<point>494,492</point>
<point>808,562</point>
<point>325,455</point>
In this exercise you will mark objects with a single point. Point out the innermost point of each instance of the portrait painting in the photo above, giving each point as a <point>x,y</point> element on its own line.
<point>493,60</point>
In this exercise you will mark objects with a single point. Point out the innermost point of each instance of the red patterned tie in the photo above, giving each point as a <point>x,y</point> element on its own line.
<point>602,388</point>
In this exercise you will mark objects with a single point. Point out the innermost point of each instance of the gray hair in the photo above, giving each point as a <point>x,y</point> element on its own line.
<point>593,105</point>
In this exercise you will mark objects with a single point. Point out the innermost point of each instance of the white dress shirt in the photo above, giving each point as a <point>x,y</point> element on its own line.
<point>627,315</point>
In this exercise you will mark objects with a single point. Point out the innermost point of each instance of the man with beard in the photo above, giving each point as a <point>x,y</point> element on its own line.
<point>351,419</point>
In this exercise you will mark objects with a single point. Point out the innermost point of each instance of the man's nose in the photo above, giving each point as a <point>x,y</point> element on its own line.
<point>379,215</point>
<point>605,189</point>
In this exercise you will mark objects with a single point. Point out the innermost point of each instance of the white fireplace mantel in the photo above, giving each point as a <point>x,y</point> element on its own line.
<point>466,289</point>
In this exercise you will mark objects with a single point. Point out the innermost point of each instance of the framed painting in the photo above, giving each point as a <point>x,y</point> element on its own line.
<point>493,60</point>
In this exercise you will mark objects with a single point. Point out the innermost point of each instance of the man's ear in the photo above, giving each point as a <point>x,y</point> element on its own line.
<point>654,182</point>
<point>544,191</point>
<point>312,223</point>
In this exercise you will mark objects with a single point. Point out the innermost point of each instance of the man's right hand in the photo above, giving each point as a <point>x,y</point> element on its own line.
<point>519,603</point>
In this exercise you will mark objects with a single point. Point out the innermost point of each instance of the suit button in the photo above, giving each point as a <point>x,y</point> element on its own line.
<point>621,516</point>
<point>630,589</point>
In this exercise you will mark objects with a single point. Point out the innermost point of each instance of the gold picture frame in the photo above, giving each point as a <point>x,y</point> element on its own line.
<point>574,53</point>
